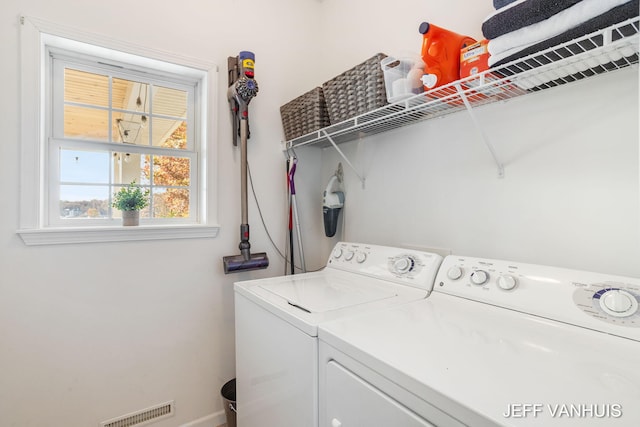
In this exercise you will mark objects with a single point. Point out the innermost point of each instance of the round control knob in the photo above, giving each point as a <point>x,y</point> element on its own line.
<point>479,277</point>
<point>361,257</point>
<point>506,282</point>
<point>454,273</point>
<point>403,265</point>
<point>337,253</point>
<point>619,303</point>
<point>336,423</point>
<point>349,255</point>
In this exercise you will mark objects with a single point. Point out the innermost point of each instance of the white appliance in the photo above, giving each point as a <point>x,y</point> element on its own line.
<point>277,325</point>
<point>497,343</point>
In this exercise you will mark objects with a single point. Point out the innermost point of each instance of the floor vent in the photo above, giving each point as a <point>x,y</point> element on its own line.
<point>144,416</point>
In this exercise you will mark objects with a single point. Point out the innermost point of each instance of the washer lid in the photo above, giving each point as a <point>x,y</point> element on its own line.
<point>308,299</point>
<point>319,295</point>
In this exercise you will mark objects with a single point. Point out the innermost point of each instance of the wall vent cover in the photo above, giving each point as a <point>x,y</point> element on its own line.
<point>142,417</point>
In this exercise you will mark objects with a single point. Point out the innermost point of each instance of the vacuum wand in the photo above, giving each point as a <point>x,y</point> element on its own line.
<point>242,89</point>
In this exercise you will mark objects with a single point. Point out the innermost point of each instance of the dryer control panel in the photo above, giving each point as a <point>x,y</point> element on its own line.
<point>597,301</point>
<point>404,266</point>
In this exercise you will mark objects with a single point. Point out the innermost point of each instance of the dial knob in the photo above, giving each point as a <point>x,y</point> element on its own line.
<point>336,423</point>
<point>619,303</point>
<point>454,273</point>
<point>403,265</point>
<point>479,277</point>
<point>361,257</point>
<point>507,282</point>
<point>349,255</point>
<point>337,253</point>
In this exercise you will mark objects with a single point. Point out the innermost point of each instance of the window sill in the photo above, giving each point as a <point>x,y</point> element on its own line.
<point>61,236</point>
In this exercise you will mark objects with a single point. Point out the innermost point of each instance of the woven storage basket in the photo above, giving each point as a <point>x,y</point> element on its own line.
<point>305,114</point>
<point>356,91</point>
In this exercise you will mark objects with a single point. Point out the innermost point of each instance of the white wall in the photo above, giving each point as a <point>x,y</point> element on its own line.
<point>94,331</point>
<point>570,196</point>
<point>89,332</point>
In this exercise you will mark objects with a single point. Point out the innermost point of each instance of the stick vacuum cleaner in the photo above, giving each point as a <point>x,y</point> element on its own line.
<point>242,88</point>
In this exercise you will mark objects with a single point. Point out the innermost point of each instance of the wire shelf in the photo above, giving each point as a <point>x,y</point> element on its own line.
<point>604,51</point>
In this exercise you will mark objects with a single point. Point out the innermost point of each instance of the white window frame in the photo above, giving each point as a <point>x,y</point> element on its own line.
<point>37,37</point>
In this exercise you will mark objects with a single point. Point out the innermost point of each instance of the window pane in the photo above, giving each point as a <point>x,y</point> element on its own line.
<point>169,133</point>
<point>86,88</point>
<point>129,167</point>
<point>170,203</point>
<point>84,166</point>
<point>86,123</point>
<point>84,201</point>
<point>130,128</point>
<point>169,102</point>
<point>130,95</point>
<point>169,170</point>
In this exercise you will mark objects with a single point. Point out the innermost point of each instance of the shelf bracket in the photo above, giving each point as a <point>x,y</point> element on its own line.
<point>476,123</point>
<point>326,135</point>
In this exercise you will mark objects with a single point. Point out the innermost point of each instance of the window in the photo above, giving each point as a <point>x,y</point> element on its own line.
<point>108,117</point>
<point>111,127</point>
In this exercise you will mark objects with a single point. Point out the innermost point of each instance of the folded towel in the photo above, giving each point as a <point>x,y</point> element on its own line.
<point>501,3</point>
<point>522,14</point>
<point>613,16</point>
<point>557,24</point>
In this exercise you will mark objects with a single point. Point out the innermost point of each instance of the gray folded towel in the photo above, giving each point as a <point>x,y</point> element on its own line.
<point>501,3</point>
<point>611,17</point>
<point>521,15</point>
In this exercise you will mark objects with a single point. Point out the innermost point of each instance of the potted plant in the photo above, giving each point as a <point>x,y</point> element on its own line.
<point>130,200</point>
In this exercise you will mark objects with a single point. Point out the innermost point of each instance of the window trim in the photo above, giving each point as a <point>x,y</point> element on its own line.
<point>36,36</point>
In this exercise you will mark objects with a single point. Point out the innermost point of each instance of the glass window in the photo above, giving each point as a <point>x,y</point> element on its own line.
<point>119,127</point>
<point>109,112</point>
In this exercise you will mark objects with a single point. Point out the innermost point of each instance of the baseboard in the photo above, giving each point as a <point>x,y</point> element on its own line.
<point>212,420</point>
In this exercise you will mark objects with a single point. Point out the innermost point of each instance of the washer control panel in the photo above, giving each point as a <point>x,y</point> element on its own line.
<point>410,267</point>
<point>612,302</point>
<point>597,301</point>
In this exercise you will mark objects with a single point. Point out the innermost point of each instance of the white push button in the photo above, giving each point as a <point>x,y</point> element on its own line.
<point>454,273</point>
<point>506,282</point>
<point>336,423</point>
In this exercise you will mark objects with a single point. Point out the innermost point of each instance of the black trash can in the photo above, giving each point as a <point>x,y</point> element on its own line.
<point>228,393</point>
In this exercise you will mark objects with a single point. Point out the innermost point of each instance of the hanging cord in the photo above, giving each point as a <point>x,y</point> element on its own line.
<point>253,191</point>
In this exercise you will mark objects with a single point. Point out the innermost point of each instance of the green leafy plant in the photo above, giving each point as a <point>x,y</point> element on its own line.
<point>131,198</point>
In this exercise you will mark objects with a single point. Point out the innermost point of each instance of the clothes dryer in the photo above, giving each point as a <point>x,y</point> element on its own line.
<point>497,343</point>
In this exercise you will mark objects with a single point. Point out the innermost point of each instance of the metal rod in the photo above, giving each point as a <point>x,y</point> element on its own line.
<point>300,250</point>
<point>343,156</point>
<point>243,170</point>
<point>480,130</point>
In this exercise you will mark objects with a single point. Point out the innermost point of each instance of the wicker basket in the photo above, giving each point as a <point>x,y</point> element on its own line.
<point>305,114</point>
<point>356,91</point>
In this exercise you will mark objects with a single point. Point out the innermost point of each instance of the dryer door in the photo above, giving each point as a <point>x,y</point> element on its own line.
<point>353,402</point>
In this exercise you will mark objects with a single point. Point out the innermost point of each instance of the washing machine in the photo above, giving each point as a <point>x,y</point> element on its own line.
<point>497,343</point>
<point>277,324</point>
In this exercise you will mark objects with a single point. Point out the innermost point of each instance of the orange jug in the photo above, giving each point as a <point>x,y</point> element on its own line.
<point>441,54</point>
